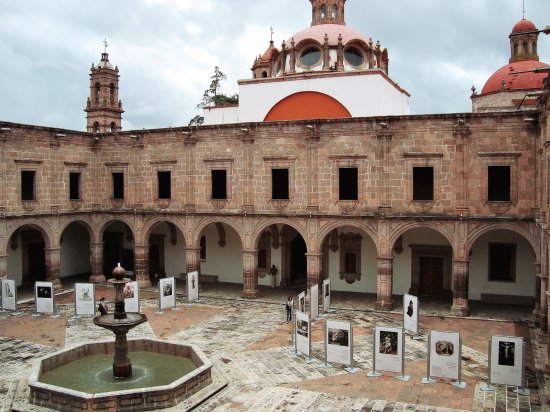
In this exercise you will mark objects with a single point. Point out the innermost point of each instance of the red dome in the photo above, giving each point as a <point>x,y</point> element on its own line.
<point>513,81</point>
<point>523,26</point>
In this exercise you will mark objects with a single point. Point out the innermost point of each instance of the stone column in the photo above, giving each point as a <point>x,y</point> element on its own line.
<point>192,259</point>
<point>384,283</point>
<point>541,297</point>
<point>190,142</point>
<point>3,266</point>
<point>96,257</point>
<point>460,288</point>
<point>313,171</point>
<point>141,260</point>
<point>53,267</point>
<point>314,266</point>
<point>248,142</point>
<point>250,274</point>
<point>547,362</point>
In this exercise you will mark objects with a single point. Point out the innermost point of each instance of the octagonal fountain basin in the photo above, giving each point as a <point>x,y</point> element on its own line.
<point>81,378</point>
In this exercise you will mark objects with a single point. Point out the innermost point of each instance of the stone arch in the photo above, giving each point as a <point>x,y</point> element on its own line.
<point>44,229</point>
<point>484,229</point>
<point>148,227</point>
<point>326,230</point>
<point>84,222</point>
<point>265,224</point>
<point>201,225</point>
<point>404,228</point>
<point>110,220</point>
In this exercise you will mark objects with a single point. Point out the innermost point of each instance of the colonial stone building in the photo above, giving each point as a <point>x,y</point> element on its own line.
<point>453,206</point>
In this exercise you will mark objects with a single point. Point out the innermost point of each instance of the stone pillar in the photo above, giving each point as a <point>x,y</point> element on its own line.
<point>141,260</point>
<point>384,283</point>
<point>313,171</point>
<point>314,266</point>
<point>547,362</point>
<point>190,142</point>
<point>3,266</point>
<point>53,267</point>
<point>460,288</point>
<point>249,194</point>
<point>192,259</point>
<point>96,257</point>
<point>250,274</point>
<point>543,308</point>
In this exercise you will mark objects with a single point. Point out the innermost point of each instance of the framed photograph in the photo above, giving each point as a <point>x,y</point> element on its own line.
<point>44,297</point>
<point>302,302</point>
<point>388,349</point>
<point>167,293</point>
<point>314,301</point>
<point>506,362</point>
<point>131,297</point>
<point>193,286</point>
<point>410,313</point>
<point>444,354</point>
<point>9,294</point>
<point>84,296</point>
<point>326,295</point>
<point>303,333</point>
<point>338,338</point>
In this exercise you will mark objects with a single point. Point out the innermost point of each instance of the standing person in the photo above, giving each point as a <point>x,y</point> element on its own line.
<point>102,307</point>
<point>289,304</point>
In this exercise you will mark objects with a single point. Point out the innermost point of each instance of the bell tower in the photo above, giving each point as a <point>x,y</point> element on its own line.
<point>328,12</point>
<point>103,108</point>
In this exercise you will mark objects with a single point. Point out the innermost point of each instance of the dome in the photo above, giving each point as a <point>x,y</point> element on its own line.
<point>524,25</point>
<point>333,31</point>
<point>516,81</point>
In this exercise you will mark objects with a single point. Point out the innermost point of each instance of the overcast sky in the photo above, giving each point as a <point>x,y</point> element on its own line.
<point>166,50</point>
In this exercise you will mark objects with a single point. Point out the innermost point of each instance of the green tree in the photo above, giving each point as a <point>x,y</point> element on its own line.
<point>213,95</point>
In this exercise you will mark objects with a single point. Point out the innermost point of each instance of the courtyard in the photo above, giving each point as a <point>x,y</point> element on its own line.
<point>248,343</point>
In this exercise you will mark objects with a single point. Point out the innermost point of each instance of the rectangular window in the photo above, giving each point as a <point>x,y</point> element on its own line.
<point>28,185</point>
<point>118,185</point>
<point>348,183</point>
<point>74,186</point>
<point>279,184</point>
<point>502,262</point>
<point>423,183</point>
<point>219,184</point>
<point>499,184</point>
<point>262,259</point>
<point>203,248</point>
<point>164,185</point>
<point>350,263</point>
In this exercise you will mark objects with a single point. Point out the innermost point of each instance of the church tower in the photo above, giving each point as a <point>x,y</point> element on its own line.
<point>327,12</point>
<point>103,108</point>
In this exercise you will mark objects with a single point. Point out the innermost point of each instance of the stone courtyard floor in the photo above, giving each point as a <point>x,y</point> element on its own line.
<point>248,343</point>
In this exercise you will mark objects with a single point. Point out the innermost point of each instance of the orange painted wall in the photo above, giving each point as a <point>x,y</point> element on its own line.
<point>307,105</point>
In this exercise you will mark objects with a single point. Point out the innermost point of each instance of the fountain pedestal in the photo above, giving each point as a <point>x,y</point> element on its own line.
<point>120,324</point>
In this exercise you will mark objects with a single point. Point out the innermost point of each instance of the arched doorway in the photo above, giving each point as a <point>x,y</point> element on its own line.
<point>118,247</point>
<point>75,251</point>
<point>166,252</point>
<point>298,263</point>
<point>26,261</point>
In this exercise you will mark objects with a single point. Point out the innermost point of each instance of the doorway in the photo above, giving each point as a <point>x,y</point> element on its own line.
<point>298,261</point>
<point>431,271</point>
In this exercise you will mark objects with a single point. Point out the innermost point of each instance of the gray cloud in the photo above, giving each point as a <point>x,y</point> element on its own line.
<point>166,50</point>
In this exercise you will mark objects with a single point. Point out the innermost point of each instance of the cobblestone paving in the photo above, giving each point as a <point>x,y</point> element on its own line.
<point>262,380</point>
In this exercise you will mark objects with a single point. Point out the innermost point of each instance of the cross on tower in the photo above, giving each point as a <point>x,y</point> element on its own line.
<point>272,31</point>
<point>105,44</point>
<point>523,9</point>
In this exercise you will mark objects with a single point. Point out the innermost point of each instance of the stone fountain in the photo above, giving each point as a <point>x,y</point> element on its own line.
<point>165,373</point>
<point>120,324</point>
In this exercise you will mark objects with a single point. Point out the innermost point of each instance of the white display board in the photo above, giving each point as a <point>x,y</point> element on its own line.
<point>84,299</point>
<point>167,293</point>
<point>131,297</point>
<point>314,301</point>
<point>303,333</point>
<point>506,364</point>
<point>9,294</point>
<point>193,286</point>
<point>410,313</point>
<point>444,353</point>
<point>388,349</point>
<point>326,295</point>
<point>44,297</point>
<point>302,302</point>
<point>339,342</point>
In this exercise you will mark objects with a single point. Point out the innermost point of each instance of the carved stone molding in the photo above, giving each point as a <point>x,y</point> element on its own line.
<point>163,203</point>
<point>29,205</point>
<point>348,206</point>
<point>76,204</point>
<point>279,204</point>
<point>422,206</point>
<point>219,204</point>
<point>499,207</point>
<point>117,203</point>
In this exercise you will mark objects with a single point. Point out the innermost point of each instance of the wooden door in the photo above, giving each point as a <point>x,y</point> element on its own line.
<point>431,276</point>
